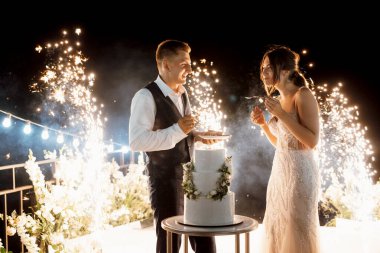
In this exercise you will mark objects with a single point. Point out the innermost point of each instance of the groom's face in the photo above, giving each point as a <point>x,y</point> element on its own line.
<point>180,66</point>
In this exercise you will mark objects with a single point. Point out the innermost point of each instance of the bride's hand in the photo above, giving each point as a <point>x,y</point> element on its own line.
<point>274,107</point>
<point>257,116</point>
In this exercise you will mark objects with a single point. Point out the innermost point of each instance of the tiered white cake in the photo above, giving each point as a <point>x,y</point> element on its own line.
<point>201,208</point>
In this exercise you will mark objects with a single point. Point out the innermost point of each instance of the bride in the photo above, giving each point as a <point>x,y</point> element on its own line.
<point>291,217</point>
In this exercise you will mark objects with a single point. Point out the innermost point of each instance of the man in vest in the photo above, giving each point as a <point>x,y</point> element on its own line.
<point>161,125</point>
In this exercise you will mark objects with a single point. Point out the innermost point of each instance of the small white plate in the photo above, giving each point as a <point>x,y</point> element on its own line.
<point>215,137</point>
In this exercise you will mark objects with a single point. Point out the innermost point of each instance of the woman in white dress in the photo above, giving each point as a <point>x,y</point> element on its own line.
<point>291,217</point>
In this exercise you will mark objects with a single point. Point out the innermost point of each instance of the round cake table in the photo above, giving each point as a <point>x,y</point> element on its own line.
<point>243,224</point>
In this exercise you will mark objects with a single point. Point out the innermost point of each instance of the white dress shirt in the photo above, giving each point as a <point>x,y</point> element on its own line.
<point>141,122</point>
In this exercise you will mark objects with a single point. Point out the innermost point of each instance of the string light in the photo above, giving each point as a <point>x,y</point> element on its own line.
<point>60,138</point>
<point>7,122</point>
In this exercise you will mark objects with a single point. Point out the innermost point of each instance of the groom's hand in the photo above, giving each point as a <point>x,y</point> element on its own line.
<point>187,123</point>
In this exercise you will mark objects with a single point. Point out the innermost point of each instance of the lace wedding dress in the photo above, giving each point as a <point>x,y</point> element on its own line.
<point>291,218</point>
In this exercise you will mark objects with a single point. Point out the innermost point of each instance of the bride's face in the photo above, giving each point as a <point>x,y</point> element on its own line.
<point>267,72</point>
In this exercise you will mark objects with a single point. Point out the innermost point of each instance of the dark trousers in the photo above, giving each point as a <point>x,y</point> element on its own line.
<point>167,200</point>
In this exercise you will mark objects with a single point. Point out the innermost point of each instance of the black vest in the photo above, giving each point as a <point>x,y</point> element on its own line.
<point>168,163</point>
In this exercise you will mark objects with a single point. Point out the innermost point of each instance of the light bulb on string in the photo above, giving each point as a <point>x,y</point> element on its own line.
<point>110,148</point>
<point>60,138</point>
<point>76,143</point>
<point>27,128</point>
<point>45,134</point>
<point>7,121</point>
<point>124,149</point>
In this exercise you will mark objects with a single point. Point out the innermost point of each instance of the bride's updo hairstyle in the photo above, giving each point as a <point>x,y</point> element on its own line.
<point>283,58</point>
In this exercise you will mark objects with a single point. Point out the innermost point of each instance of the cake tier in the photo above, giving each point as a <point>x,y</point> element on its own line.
<point>209,212</point>
<point>205,181</point>
<point>208,159</point>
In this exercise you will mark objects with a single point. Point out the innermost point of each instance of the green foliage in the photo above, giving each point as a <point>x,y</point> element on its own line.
<point>222,184</point>
<point>2,250</point>
<point>188,185</point>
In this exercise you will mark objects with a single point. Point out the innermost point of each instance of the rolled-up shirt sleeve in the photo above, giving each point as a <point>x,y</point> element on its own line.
<point>141,122</point>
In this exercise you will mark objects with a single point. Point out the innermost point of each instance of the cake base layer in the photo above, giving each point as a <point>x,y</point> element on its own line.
<point>209,212</point>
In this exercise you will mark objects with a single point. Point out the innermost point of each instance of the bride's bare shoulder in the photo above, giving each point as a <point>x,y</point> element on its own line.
<point>304,94</point>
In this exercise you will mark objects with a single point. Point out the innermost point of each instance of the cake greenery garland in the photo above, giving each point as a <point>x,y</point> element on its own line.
<point>222,183</point>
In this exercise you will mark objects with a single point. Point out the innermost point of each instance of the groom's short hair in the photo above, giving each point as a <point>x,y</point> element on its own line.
<point>168,48</point>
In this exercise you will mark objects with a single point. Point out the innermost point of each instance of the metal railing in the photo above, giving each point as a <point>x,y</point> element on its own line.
<point>19,189</point>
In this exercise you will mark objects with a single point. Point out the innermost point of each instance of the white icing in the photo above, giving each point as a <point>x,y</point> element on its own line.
<point>205,211</point>
<point>205,181</point>
<point>208,212</point>
<point>209,159</point>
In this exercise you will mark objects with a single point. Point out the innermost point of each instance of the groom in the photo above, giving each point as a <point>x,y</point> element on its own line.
<point>161,125</point>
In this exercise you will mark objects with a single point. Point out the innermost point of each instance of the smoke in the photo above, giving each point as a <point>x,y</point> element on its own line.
<point>16,100</point>
<point>121,70</point>
<point>252,156</point>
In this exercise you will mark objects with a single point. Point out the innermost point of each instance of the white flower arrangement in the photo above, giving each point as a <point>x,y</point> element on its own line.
<point>72,207</point>
<point>222,183</point>
<point>130,198</point>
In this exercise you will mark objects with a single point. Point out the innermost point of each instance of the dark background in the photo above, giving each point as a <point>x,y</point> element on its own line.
<point>120,44</point>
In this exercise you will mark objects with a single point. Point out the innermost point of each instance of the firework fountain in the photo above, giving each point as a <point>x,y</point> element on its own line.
<point>90,194</point>
<point>202,91</point>
<point>346,157</point>
<point>67,87</point>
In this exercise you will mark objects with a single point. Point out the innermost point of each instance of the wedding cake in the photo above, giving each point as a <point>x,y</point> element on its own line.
<point>208,199</point>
